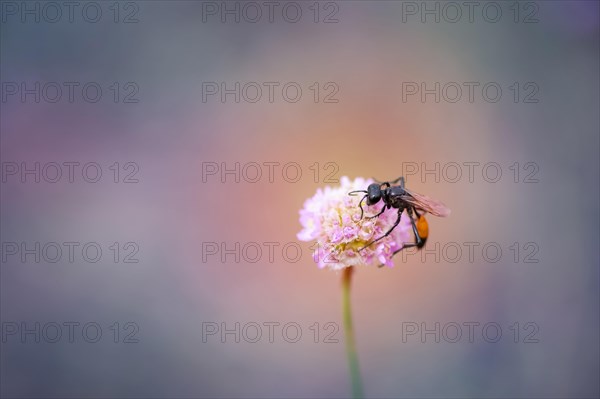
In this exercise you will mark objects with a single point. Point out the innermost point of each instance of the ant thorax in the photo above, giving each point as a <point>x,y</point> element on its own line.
<point>393,196</point>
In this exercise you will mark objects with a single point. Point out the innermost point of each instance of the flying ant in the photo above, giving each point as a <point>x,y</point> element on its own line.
<point>398,197</point>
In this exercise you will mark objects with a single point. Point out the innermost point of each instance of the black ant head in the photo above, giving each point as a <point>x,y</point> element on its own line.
<point>373,194</point>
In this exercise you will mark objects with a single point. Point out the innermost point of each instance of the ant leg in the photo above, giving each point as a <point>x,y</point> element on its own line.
<point>388,232</point>
<point>362,212</point>
<point>379,214</point>
<point>418,239</point>
<point>382,183</point>
<point>401,178</point>
<point>390,183</point>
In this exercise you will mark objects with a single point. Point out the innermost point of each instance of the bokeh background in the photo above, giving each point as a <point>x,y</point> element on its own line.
<point>170,132</point>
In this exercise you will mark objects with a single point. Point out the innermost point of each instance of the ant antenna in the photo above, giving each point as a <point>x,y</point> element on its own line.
<point>362,212</point>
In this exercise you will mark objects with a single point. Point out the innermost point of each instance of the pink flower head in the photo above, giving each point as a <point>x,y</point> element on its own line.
<point>332,218</point>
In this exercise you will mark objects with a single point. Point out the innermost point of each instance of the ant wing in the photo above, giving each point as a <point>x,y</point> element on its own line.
<point>424,203</point>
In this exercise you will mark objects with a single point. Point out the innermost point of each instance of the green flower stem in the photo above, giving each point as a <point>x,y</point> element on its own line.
<point>357,390</point>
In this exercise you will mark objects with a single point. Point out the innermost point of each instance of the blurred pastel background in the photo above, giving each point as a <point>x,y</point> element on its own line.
<point>370,131</point>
